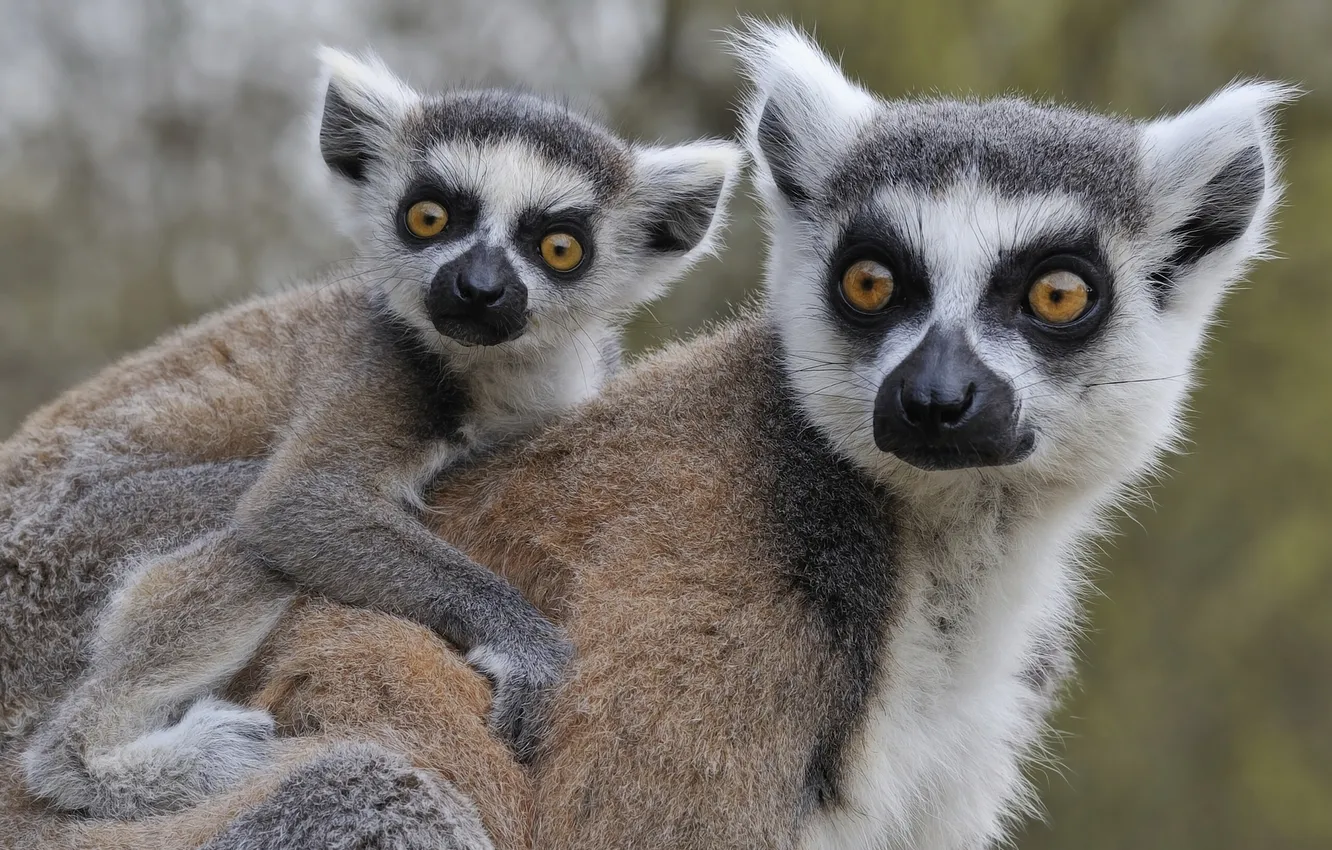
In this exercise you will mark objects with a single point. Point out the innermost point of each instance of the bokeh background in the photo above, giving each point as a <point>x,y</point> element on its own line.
<point>155,163</point>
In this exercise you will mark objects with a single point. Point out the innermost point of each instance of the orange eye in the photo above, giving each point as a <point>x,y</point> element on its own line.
<point>867,286</point>
<point>561,251</point>
<point>426,219</point>
<point>1059,297</point>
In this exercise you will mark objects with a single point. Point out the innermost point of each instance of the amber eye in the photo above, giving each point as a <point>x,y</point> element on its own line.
<point>561,251</point>
<point>426,219</point>
<point>1059,297</point>
<point>867,286</point>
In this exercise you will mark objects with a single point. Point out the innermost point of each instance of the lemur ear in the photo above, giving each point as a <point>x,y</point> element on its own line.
<point>802,115</point>
<point>682,192</point>
<point>363,103</point>
<point>1213,178</point>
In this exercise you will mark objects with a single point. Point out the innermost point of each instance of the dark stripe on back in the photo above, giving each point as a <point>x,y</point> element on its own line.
<point>835,544</point>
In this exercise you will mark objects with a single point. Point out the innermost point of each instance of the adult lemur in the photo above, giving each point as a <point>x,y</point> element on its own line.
<point>504,241</point>
<point>822,564</point>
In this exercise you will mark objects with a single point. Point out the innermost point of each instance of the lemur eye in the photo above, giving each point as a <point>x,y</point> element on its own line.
<point>426,219</point>
<point>867,286</point>
<point>561,251</point>
<point>1059,297</point>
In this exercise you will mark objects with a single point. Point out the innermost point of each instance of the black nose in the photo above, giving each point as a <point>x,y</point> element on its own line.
<point>943,408</point>
<point>478,298</point>
<point>483,289</point>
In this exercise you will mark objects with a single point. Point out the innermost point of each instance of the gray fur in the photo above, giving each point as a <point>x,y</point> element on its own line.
<point>871,645</point>
<point>929,145</point>
<point>559,133</point>
<point>347,398</point>
<point>358,797</point>
<point>63,542</point>
<point>135,735</point>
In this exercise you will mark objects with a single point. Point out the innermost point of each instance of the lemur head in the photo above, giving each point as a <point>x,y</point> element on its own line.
<point>494,218</point>
<point>997,285</point>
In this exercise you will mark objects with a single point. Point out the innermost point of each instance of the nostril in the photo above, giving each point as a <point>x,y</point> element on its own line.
<point>914,410</point>
<point>464,289</point>
<point>954,411</point>
<point>932,411</point>
<point>469,293</point>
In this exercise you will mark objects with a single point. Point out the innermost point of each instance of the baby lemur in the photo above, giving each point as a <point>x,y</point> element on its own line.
<point>504,238</point>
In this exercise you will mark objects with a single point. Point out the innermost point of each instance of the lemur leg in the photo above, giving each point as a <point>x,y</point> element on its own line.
<point>360,674</point>
<point>330,673</point>
<point>73,549</point>
<point>142,733</point>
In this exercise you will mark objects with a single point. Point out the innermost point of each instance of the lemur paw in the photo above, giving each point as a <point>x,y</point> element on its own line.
<point>212,748</point>
<point>525,677</point>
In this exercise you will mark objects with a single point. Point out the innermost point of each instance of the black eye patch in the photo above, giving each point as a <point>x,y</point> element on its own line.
<point>535,224</point>
<point>463,209</point>
<point>1007,301</point>
<point>872,236</point>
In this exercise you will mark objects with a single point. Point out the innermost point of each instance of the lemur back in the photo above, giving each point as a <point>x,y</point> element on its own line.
<point>503,240</point>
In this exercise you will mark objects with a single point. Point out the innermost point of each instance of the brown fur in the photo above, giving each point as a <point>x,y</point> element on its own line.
<point>409,674</point>
<point>77,503</point>
<point>637,524</point>
<point>284,446</point>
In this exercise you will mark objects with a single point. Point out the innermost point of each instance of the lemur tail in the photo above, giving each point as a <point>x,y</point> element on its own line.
<point>342,795</point>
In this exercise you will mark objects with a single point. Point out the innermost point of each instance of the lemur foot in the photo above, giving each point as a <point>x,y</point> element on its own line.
<point>213,747</point>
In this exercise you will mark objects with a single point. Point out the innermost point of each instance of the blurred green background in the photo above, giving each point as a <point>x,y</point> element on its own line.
<point>154,164</point>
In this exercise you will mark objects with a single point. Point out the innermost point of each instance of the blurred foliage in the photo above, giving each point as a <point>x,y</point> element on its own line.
<point>160,169</point>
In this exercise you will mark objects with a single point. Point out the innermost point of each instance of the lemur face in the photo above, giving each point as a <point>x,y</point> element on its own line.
<point>501,219</point>
<point>997,284</point>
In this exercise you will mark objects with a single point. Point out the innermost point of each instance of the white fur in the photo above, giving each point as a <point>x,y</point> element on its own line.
<point>1181,152</point>
<point>136,758</point>
<point>367,83</point>
<point>996,552</point>
<point>824,110</point>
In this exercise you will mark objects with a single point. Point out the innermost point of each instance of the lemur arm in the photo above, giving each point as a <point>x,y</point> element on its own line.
<point>337,519</point>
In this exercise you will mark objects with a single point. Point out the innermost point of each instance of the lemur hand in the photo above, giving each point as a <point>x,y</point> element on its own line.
<point>525,672</point>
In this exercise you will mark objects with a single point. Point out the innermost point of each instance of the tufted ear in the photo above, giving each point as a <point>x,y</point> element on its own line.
<point>682,192</point>
<point>1212,181</point>
<point>363,104</point>
<point>802,114</point>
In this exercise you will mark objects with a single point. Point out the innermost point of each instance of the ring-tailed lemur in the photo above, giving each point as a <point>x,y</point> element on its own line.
<point>822,566</point>
<point>504,241</point>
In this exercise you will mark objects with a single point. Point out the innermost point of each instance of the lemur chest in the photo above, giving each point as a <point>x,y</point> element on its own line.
<point>498,406</point>
<point>937,761</point>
